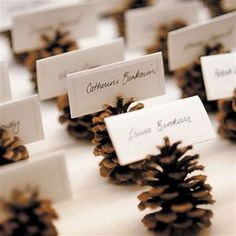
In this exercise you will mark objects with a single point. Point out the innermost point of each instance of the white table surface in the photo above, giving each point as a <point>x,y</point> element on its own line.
<point>100,208</point>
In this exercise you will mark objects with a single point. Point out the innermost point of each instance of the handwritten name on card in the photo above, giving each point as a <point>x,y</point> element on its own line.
<point>48,173</point>
<point>5,90</point>
<point>136,134</point>
<point>80,19</point>
<point>185,45</point>
<point>9,8</point>
<point>23,119</point>
<point>139,78</point>
<point>52,71</point>
<point>219,74</point>
<point>143,24</point>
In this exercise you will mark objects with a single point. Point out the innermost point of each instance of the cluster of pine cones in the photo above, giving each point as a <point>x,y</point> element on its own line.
<point>227,117</point>
<point>161,42</point>
<point>119,15</point>
<point>217,7</point>
<point>27,215</point>
<point>190,79</point>
<point>11,148</point>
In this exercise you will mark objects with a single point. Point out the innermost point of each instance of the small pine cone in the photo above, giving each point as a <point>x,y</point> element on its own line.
<point>11,148</point>
<point>79,128</point>
<point>176,193</point>
<point>217,7</point>
<point>109,166</point>
<point>27,215</point>
<point>58,44</point>
<point>161,42</point>
<point>190,79</point>
<point>227,117</point>
<point>128,5</point>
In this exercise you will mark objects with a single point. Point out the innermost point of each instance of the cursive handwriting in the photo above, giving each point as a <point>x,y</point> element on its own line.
<point>127,77</point>
<point>133,134</point>
<point>161,125</point>
<point>91,88</point>
<point>13,126</point>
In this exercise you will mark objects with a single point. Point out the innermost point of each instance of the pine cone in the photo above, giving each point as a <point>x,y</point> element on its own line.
<point>11,148</point>
<point>190,78</point>
<point>119,15</point>
<point>227,117</point>
<point>79,128</point>
<point>217,7</point>
<point>27,215</point>
<point>109,166</point>
<point>58,44</point>
<point>176,193</point>
<point>161,41</point>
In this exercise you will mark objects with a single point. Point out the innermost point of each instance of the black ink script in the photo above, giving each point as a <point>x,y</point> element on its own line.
<point>91,88</point>
<point>133,133</point>
<point>161,125</point>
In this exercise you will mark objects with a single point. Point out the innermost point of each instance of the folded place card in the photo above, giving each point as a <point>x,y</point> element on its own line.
<point>48,173</point>
<point>219,74</point>
<point>80,19</point>
<point>5,89</point>
<point>139,78</point>
<point>52,71</point>
<point>23,118</point>
<point>142,24</point>
<point>186,44</point>
<point>8,8</point>
<point>108,6</point>
<point>136,134</point>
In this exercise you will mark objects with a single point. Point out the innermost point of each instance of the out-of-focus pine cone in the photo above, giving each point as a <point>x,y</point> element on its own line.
<point>109,166</point>
<point>20,57</point>
<point>28,215</point>
<point>79,128</point>
<point>59,43</point>
<point>11,148</point>
<point>161,42</point>
<point>227,117</point>
<point>177,193</point>
<point>190,79</point>
<point>218,7</point>
<point>119,15</point>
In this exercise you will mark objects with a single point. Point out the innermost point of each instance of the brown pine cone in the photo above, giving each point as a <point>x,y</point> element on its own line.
<point>227,117</point>
<point>79,128</point>
<point>109,166</point>
<point>58,44</point>
<point>11,148</point>
<point>217,7</point>
<point>161,42</point>
<point>119,15</point>
<point>176,194</point>
<point>190,79</point>
<point>27,215</point>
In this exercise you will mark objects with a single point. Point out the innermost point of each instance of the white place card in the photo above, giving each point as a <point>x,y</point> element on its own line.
<point>185,45</point>
<point>107,6</point>
<point>80,19</point>
<point>142,24</point>
<point>48,173</point>
<point>52,71</point>
<point>219,74</point>
<point>5,89</point>
<point>23,118</point>
<point>140,78</point>
<point>10,7</point>
<point>137,134</point>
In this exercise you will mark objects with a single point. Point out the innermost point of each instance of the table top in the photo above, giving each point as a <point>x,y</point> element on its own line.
<point>99,207</point>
